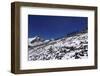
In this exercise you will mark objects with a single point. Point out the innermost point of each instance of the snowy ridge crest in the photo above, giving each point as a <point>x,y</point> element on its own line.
<point>71,47</point>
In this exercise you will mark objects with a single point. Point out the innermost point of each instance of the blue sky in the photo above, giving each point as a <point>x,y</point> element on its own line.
<point>49,27</point>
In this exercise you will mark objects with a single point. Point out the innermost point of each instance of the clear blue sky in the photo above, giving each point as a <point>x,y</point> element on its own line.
<point>49,27</point>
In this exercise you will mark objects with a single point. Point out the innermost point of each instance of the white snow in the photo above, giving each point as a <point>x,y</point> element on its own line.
<point>74,47</point>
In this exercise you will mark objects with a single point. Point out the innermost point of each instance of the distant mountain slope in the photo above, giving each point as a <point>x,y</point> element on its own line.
<point>72,47</point>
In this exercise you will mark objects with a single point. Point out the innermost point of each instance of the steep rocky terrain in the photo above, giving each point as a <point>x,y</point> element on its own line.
<point>68,47</point>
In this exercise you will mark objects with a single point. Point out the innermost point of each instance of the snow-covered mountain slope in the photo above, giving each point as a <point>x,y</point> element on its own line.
<point>72,47</point>
<point>35,41</point>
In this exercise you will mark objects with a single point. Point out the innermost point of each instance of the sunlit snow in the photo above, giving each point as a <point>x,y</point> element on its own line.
<point>68,47</point>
